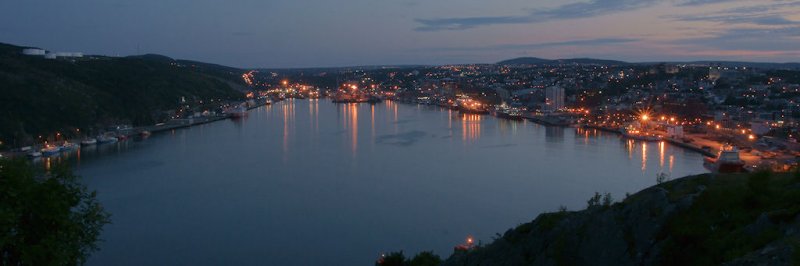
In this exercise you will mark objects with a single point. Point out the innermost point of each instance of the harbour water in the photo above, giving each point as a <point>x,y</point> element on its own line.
<point>311,182</point>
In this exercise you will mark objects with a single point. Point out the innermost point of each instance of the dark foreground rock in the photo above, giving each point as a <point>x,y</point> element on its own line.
<point>696,220</point>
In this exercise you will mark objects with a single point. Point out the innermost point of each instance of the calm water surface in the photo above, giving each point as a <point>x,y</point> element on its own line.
<point>310,182</point>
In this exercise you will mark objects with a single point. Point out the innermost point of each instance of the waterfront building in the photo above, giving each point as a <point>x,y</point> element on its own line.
<point>675,131</point>
<point>554,98</point>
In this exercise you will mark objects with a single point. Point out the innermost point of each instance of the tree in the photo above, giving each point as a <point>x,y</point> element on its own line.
<point>425,258</point>
<point>594,201</point>
<point>46,218</point>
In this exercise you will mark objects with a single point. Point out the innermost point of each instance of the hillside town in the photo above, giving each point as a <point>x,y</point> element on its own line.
<point>707,107</point>
<point>745,112</point>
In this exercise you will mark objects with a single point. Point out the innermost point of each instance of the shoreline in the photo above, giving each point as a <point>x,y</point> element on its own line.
<point>672,141</point>
<point>190,122</point>
<point>547,123</point>
<point>129,133</point>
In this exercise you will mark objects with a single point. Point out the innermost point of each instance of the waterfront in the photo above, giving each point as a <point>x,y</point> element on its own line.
<point>311,182</point>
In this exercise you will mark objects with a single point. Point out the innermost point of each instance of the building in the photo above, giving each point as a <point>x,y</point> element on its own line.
<point>675,131</point>
<point>554,98</point>
<point>34,51</point>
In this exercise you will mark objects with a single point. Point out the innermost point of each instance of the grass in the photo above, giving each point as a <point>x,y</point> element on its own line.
<point>712,231</point>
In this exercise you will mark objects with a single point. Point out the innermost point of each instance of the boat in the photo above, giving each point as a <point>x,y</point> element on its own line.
<point>145,134</point>
<point>345,97</point>
<point>727,161</point>
<point>88,141</point>
<point>268,101</point>
<point>238,111</point>
<point>50,150</point>
<point>68,146</point>
<point>374,99</point>
<point>469,106</point>
<point>106,139</point>
<point>34,154</point>
<point>634,133</point>
<point>507,112</point>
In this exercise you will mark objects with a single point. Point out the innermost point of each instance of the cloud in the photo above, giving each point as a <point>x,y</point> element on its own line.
<point>242,33</point>
<point>703,2</point>
<point>467,23</point>
<point>591,8</point>
<point>764,20</point>
<point>772,14</point>
<point>749,39</point>
<point>761,29</point>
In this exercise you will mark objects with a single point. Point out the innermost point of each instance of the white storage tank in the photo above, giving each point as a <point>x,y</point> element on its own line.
<point>69,54</point>
<point>33,51</point>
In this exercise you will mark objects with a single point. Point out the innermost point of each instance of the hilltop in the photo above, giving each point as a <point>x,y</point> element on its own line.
<point>697,220</point>
<point>604,62</point>
<point>41,96</point>
<point>541,61</point>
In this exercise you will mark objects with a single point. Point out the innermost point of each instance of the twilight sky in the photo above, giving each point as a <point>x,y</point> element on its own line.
<point>311,33</point>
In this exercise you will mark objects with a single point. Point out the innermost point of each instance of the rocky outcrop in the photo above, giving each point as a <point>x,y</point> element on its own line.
<point>632,232</point>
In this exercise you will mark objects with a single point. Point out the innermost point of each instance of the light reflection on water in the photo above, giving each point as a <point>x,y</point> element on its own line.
<point>301,173</point>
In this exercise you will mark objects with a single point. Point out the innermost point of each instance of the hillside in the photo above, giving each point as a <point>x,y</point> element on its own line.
<point>41,96</point>
<point>592,61</point>
<point>540,61</point>
<point>697,220</point>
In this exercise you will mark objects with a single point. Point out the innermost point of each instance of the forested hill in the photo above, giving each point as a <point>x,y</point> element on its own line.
<point>41,96</point>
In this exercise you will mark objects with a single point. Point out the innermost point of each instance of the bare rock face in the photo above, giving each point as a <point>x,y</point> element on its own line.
<point>626,233</point>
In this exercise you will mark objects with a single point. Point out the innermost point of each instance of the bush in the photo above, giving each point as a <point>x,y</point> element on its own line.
<point>393,259</point>
<point>594,201</point>
<point>607,199</point>
<point>661,178</point>
<point>759,182</point>
<point>47,219</point>
<point>425,258</point>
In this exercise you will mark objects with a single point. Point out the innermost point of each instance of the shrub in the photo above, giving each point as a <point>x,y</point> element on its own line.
<point>425,258</point>
<point>46,219</point>
<point>393,259</point>
<point>759,182</point>
<point>594,201</point>
<point>607,199</point>
<point>661,178</point>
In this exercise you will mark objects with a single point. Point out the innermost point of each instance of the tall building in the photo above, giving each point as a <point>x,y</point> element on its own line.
<point>554,98</point>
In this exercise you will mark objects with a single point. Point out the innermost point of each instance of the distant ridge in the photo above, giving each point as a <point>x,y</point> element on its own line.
<point>542,61</point>
<point>605,62</point>
<point>764,65</point>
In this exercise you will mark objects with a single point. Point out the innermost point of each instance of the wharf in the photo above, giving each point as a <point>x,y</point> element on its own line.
<point>549,120</point>
<point>606,129</point>
<point>689,146</point>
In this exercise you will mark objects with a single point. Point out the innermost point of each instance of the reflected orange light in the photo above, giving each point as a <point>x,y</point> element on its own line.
<point>644,156</point>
